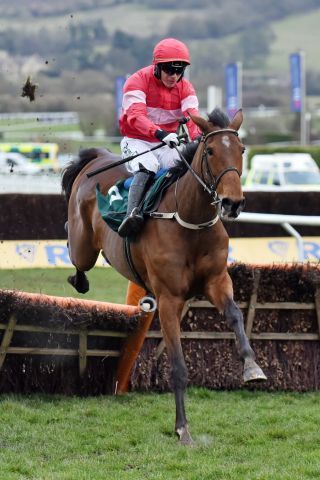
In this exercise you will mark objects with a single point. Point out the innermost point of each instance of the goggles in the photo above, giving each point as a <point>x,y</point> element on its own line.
<point>172,68</point>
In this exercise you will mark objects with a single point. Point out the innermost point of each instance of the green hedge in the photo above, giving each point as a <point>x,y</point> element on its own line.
<point>261,149</point>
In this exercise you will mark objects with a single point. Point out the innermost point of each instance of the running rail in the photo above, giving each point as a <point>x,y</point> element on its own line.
<point>285,221</point>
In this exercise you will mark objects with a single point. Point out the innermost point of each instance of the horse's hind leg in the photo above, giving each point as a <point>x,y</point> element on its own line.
<point>220,294</point>
<point>170,309</point>
<point>83,256</point>
<point>79,281</point>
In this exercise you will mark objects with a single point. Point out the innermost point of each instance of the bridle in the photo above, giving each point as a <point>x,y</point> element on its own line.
<point>211,187</point>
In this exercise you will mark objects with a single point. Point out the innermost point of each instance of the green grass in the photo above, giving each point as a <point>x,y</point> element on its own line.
<point>146,21</point>
<point>293,34</point>
<point>67,145</point>
<point>33,126</point>
<point>105,283</point>
<point>75,145</point>
<point>16,131</point>
<point>238,435</point>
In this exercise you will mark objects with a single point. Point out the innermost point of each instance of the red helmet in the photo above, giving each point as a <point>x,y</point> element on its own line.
<point>169,50</point>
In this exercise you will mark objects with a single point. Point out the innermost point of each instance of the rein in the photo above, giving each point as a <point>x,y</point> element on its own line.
<point>211,189</point>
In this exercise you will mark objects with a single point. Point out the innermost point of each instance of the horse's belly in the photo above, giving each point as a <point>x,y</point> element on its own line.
<point>113,250</point>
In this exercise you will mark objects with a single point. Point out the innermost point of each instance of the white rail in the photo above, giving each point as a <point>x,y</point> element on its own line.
<point>285,222</point>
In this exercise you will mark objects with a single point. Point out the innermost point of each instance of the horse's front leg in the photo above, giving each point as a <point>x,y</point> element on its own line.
<point>170,309</point>
<point>220,293</point>
<point>234,317</point>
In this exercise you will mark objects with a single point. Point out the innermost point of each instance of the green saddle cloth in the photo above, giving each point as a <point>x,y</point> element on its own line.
<point>113,206</point>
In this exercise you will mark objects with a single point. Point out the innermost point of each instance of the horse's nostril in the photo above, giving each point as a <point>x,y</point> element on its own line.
<point>227,203</point>
<point>230,205</point>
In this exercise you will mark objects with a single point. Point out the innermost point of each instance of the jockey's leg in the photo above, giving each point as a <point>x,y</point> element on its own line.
<point>167,157</point>
<point>133,220</point>
<point>134,146</point>
<point>143,168</point>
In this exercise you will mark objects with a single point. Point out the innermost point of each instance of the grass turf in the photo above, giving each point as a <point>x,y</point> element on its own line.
<point>105,283</point>
<point>238,435</point>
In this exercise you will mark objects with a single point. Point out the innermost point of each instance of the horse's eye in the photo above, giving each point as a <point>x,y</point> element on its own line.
<point>243,150</point>
<point>210,151</point>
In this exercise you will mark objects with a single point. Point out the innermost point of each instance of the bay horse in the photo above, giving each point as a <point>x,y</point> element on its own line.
<point>175,258</point>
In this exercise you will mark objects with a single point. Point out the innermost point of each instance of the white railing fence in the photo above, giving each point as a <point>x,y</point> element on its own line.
<point>285,221</point>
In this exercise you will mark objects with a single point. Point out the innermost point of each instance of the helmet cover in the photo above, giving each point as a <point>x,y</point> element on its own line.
<point>171,50</point>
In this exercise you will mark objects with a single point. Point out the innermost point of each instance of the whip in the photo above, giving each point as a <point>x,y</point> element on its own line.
<point>124,160</point>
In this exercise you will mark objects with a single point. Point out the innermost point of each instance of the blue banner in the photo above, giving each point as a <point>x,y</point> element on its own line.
<point>296,91</point>
<point>118,96</point>
<point>232,88</point>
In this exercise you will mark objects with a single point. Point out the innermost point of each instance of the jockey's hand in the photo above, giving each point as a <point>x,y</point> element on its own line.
<point>184,120</point>
<point>170,139</point>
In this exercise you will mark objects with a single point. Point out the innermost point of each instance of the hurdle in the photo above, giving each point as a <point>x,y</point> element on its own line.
<point>280,304</point>
<point>34,324</point>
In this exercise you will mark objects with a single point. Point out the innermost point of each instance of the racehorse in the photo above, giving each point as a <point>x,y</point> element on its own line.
<point>175,258</point>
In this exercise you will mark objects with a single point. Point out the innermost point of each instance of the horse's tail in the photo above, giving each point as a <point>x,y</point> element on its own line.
<point>71,171</point>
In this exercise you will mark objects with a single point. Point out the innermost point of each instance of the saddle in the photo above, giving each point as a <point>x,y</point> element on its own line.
<point>113,206</point>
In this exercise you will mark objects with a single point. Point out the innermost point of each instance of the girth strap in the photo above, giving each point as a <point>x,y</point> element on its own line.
<point>127,254</point>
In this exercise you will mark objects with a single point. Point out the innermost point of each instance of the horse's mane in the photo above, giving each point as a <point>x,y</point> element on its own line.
<point>219,119</point>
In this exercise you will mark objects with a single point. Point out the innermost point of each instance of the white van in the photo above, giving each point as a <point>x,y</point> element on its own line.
<point>14,162</point>
<point>290,171</point>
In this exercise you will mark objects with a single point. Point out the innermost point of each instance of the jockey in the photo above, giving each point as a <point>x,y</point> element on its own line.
<point>155,98</point>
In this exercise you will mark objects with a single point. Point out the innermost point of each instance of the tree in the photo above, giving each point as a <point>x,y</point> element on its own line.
<point>138,49</point>
<point>254,46</point>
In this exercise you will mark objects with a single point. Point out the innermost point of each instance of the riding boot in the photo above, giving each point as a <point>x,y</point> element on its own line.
<point>133,220</point>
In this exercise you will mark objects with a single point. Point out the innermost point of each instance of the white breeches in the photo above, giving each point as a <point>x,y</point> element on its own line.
<point>164,157</point>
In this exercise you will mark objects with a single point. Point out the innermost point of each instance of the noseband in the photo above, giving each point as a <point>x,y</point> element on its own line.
<point>210,188</point>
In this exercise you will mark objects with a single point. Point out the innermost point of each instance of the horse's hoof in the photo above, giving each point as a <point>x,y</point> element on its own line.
<point>184,436</point>
<point>252,372</point>
<point>82,287</point>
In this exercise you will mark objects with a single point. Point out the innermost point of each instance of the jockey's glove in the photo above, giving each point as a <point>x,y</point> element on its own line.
<point>170,139</point>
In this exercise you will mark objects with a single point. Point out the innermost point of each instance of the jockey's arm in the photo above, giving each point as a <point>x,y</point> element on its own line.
<point>190,105</point>
<point>137,118</point>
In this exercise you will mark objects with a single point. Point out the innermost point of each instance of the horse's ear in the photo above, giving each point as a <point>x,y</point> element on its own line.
<point>237,120</point>
<point>200,122</point>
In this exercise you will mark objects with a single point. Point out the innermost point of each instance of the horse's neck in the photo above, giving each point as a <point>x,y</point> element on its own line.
<point>193,203</point>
